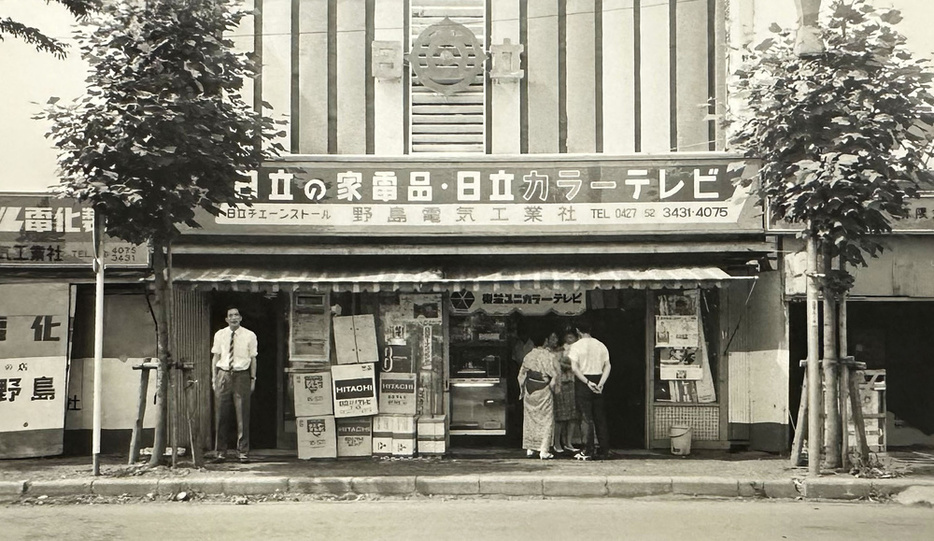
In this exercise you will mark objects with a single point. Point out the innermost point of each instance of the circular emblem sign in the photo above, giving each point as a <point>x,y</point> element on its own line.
<point>462,300</point>
<point>447,57</point>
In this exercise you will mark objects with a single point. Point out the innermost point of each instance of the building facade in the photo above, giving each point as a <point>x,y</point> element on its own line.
<point>459,172</point>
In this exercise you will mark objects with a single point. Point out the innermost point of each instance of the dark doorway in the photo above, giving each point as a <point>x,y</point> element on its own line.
<point>619,323</point>
<point>259,315</point>
<point>622,329</point>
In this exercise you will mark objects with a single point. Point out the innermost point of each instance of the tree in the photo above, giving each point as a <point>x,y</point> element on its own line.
<point>34,36</point>
<point>160,131</point>
<point>844,140</point>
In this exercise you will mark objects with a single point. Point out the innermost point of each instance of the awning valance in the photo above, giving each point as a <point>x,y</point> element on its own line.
<point>427,280</point>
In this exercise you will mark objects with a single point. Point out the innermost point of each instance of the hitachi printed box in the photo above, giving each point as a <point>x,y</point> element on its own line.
<point>355,436</point>
<point>354,390</point>
<point>397,393</point>
<point>312,393</point>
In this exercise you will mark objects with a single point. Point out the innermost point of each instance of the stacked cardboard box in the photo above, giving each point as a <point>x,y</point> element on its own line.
<point>354,390</point>
<point>394,435</point>
<point>431,435</point>
<point>397,393</point>
<point>382,435</point>
<point>355,436</point>
<point>403,435</point>
<point>312,394</point>
<point>317,437</point>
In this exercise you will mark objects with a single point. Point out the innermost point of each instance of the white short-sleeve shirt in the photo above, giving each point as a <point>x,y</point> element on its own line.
<point>244,348</point>
<point>589,355</point>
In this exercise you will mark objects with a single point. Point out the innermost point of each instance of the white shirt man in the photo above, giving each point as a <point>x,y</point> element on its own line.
<point>590,363</point>
<point>233,378</point>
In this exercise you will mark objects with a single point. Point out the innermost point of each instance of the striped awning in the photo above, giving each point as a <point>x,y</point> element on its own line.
<point>434,280</point>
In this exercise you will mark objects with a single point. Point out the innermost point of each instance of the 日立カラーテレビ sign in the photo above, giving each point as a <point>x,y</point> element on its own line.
<point>529,196</point>
<point>45,231</point>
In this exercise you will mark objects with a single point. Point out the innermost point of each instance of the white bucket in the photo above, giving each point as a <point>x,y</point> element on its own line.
<point>680,439</point>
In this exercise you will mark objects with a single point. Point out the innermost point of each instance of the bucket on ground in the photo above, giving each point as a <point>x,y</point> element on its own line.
<point>680,439</point>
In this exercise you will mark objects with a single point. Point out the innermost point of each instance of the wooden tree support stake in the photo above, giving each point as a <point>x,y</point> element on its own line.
<point>144,369</point>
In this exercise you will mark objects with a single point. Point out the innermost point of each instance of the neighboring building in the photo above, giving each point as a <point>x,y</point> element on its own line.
<point>890,307</point>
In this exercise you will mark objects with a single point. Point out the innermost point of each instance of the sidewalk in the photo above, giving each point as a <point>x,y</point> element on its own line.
<point>503,473</point>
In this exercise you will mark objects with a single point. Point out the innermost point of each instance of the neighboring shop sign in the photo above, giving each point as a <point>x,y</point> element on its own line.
<point>531,197</point>
<point>529,302</point>
<point>920,218</point>
<point>33,360</point>
<point>354,390</point>
<point>43,231</point>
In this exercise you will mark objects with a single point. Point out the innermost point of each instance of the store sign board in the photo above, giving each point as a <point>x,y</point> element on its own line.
<point>529,302</point>
<point>524,197</point>
<point>33,361</point>
<point>43,231</point>
<point>920,218</point>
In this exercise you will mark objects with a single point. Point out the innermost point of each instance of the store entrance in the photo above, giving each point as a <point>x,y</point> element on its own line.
<point>259,315</point>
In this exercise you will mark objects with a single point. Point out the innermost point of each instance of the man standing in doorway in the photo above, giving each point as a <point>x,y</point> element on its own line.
<point>590,362</point>
<point>233,378</point>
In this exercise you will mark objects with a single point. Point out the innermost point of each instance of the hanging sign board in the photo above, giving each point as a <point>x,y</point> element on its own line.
<point>528,196</point>
<point>33,361</point>
<point>44,231</point>
<point>531,302</point>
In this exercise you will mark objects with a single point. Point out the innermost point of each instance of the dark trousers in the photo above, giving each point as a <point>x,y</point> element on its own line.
<point>233,393</point>
<point>593,415</point>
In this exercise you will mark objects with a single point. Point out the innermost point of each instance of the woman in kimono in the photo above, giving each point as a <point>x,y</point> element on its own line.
<point>538,377</point>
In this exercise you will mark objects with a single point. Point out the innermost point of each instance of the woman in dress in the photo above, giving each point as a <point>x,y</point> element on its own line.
<point>565,406</point>
<point>538,377</point>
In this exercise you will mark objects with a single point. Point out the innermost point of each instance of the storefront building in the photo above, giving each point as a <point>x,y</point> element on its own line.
<point>456,173</point>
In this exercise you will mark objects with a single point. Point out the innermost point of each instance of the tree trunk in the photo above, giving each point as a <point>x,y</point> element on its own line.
<point>832,433</point>
<point>162,294</point>
<point>813,366</point>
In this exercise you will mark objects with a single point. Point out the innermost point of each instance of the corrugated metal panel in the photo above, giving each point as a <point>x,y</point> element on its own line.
<point>423,280</point>
<point>193,345</point>
<point>447,124</point>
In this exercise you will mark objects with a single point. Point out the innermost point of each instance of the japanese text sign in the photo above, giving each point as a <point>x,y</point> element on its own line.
<point>42,231</point>
<point>526,301</point>
<point>529,196</point>
<point>33,349</point>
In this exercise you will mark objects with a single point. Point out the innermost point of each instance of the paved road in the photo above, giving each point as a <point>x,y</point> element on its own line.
<point>474,520</point>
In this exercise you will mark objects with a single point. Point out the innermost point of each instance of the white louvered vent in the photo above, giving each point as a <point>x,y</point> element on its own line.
<point>447,124</point>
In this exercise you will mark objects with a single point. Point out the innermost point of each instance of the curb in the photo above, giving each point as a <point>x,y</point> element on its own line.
<point>567,486</point>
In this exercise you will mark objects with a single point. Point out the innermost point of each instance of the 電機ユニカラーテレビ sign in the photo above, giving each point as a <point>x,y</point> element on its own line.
<point>533,196</point>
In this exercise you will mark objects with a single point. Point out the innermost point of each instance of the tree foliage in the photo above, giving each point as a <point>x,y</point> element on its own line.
<point>34,36</point>
<point>844,138</point>
<point>162,128</point>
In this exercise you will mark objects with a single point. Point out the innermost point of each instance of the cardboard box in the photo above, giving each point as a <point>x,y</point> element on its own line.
<point>397,393</point>
<point>354,390</point>
<point>432,439</point>
<point>317,437</point>
<point>312,394</point>
<point>355,339</point>
<point>355,436</point>
<point>382,435</point>
<point>403,435</point>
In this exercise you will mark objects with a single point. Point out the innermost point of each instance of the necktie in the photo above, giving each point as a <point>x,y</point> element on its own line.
<point>230,357</point>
